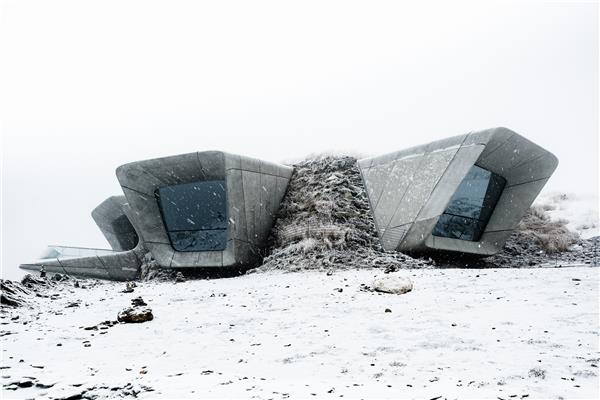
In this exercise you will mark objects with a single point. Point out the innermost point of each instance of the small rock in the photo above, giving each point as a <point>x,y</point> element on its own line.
<point>179,277</point>
<point>388,310</point>
<point>135,315</point>
<point>138,302</point>
<point>394,284</point>
<point>59,278</point>
<point>128,288</point>
<point>25,383</point>
<point>91,328</point>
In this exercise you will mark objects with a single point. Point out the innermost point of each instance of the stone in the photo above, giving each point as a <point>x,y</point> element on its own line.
<point>59,278</point>
<point>30,281</point>
<point>138,302</point>
<point>135,315</point>
<point>128,288</point>
<point>179,277</point>
<point>394,284</point>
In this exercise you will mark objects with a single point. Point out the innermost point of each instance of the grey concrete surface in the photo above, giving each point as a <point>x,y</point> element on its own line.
<point>409,189</point>
<point>254,190</point>
<point>118,266</point>
<point>114,223</point>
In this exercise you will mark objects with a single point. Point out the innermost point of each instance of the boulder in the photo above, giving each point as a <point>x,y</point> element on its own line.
<point>394,284</point>
<point>135,315</point>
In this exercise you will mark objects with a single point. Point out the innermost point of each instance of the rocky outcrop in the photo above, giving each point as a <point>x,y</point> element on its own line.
<point>13,294</point>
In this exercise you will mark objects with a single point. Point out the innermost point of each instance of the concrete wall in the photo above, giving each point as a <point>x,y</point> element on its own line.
<point>410,189</point>
<point>254,190</point>
<point>118,266</point>
<point>114,224</point>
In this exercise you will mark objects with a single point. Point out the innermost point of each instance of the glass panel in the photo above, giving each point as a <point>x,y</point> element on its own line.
<point>471,206</point>
<point>195,215</point>
<point>214,239</point>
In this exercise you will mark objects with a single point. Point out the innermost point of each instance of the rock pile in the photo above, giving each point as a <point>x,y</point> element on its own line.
<point>325,223</point>
<point>150,270</point>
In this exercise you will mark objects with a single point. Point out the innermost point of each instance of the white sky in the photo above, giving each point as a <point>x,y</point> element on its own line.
<point>87,86</point>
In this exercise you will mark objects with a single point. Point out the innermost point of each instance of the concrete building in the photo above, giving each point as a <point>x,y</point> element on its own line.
<point>462,194</point>
<point>214,209</point>
<point>202,209</point>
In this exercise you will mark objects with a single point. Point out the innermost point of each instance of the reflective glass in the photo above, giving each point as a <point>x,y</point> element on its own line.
<point>471,205</point>
<point>195,215</point>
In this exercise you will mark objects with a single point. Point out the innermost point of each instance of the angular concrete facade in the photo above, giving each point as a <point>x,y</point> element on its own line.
<point>409,190</point>
<point>254,189</point>
<point>214,209</point>
<point>135,223</point>
<point>114,224</point>
<point>118,265</point>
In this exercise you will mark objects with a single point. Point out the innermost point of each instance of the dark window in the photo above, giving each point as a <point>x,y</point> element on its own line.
<point>471,205</point>
<point>124,232</point>
<point>195,215</point>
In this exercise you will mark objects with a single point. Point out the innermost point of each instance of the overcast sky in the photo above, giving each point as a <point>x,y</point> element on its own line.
<point>87,86</point>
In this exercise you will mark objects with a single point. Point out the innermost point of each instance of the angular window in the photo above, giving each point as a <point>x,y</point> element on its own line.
<point>471,206</point>
<point>195,215</point>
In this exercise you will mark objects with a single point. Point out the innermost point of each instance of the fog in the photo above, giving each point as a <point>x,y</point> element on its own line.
<point>87,86</point>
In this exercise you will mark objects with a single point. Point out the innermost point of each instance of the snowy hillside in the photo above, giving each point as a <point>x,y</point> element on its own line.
<point>581,211</point>
<point>460,333</point>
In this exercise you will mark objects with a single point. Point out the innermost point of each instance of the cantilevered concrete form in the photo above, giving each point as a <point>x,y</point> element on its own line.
<point>121,263</point>
<point>462,194</point>
<point>92,263</point>
<point>204,209</point>
<point>114,224</point>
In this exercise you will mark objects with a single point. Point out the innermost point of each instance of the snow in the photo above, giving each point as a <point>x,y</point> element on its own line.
<point>579,209</point>
<point>460,333</point>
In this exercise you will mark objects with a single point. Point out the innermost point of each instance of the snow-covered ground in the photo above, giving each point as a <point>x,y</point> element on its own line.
<point>581,211</point>
<point>461,333</point>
